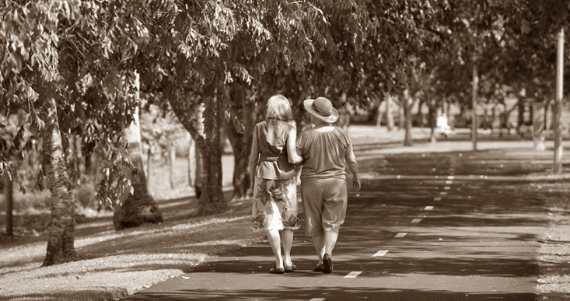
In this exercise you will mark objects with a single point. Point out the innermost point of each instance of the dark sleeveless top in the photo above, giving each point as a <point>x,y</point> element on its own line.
<point>273,161</point>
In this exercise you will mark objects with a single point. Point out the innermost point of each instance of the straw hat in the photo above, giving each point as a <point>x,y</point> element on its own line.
<point>322,109</point>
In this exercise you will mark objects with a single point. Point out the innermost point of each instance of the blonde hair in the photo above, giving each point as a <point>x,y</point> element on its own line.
<point>278,108</point>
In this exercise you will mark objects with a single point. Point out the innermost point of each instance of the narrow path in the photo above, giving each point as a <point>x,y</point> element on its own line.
<point>434,239</point>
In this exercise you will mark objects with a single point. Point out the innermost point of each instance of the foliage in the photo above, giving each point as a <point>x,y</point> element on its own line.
<point>80,53</point>
<point>192,57</point>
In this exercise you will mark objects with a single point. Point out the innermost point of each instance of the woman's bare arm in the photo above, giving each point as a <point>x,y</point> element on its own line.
<point>293,156</point>
<point>353,167</point>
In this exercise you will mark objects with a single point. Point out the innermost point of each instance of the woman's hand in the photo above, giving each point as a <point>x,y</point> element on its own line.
<point>356,184</point>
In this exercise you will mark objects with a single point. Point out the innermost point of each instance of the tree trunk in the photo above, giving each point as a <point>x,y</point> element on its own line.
<point>87,149</point>
<point>474,121</point>
<point>171,164</point>
<point>432,112</point>
<point>139,207</point>
<point>493,118</point>
<point>538,126</point>
<point>379,113</point>
<point>60,245</point>
<point>148,167</point>
<point>531,111</point>
<point>239,124</point>
<point>191,114</point>
<point>547,121</point>
<point>189,158</point>
<point>558,146</point>
<point>520,115</point>
<point>212,197</point>
<point>421,115</point>
<point>402,113</point>
<point>407,104</point>
<point>199,172</point>
<point>9,199</point>
<point>389,113</point>
<point>196,117</point>
<point>73,159</point>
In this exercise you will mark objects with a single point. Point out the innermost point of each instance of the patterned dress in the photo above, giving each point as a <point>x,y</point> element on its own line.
<point>275,204</point>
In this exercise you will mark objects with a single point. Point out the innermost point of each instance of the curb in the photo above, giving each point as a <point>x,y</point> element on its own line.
<point>483,178</point>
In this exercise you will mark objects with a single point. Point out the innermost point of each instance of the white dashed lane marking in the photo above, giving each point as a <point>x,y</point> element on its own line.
<point>450,177</point>
<point>446,188</point>
<point>416,220</point>
<point>428,208</point>
<point>437,199</point>
<point>353,274</point>
<point>400,235</point>
<point>380,253</point>
<point>317,299</point>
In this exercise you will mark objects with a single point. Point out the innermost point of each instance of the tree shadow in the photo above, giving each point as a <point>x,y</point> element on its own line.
<point>329,293</point>
<point>519,162</point>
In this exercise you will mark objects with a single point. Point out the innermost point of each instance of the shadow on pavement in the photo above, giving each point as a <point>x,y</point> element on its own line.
<point>329,294</point>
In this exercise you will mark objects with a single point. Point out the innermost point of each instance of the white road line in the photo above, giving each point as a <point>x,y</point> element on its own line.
<point>380,253</point>
<point>446,188</point>
<point>448,182</point>
<point>353,274</point>
<point>317,299</point>
<point>400,235</point>
<point>450,177</point>
<point>428,208</point>
<point>416,220</point>
<point>443,193</point>
<point>437,199</point>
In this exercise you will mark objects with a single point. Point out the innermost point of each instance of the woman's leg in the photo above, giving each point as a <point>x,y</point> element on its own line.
<point>331,237</point>
<point>312,202</point>
<point>318,240</point>
<point>275,243</point>
<point>290,215</point>
<point>334,213</point>
<point>287,241</point>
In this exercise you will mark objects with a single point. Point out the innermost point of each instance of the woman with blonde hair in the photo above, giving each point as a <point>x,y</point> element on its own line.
<point>272,161</point>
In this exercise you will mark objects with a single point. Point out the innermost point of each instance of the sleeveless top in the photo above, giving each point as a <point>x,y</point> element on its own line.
<point>273,161</point>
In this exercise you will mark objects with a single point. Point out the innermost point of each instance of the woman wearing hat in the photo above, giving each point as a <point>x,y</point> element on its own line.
<point>327,152</point>
<point>272,160</point>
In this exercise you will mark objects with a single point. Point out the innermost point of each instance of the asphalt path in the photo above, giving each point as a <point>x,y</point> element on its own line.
<point>437,237</point>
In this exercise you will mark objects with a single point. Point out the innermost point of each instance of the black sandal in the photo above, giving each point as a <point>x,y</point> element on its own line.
<point>327,264</point>
<point>318,268</point>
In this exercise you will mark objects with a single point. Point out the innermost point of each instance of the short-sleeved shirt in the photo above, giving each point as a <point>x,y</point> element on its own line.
<point>325,151</point>
<point>272,144</point>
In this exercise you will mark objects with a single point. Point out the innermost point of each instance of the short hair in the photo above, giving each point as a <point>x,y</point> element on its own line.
<point>279,108</point>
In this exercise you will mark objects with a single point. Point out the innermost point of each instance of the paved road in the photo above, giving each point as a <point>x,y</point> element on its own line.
<point>437,238</point>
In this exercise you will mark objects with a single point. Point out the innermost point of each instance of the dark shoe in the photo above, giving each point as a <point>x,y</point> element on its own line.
<point>318,268</point>
<point>290,269</point>
<point>275,270</point>
<point>327,264</point>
